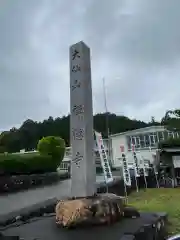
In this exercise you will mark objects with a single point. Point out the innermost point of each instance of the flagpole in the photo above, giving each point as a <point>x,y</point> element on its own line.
<point>145,180</point>
<point>107,117</point>
<point>144,172</point>
<point>125,190</point>
<point>135,166</point>
<point>106,109</point>
<point>137,188</point>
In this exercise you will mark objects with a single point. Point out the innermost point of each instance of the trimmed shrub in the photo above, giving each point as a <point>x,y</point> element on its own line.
<point>52,146</point>
<point>26,164</point>
<point>51,153</point>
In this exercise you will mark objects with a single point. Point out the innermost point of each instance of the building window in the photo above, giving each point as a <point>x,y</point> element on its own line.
<point>128,142</point>
<point>152,142</point>
<point>170,134</point>
<point>133,141</point>
<point>153,139</point>
<point>165,135</point>
<point>156,137</point>
<point>161,136</point>
<point>147,140</point>
<point>138,145</point>
<point>176,135</point>
<point>142,141</point>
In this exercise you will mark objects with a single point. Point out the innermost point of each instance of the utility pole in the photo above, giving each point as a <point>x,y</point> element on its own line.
<point>107,118</point>
<point>106,110</point>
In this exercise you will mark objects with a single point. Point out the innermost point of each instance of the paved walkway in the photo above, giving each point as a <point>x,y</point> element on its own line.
<point>16,201</point>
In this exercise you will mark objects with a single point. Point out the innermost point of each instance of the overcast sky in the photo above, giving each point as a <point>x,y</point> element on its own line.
<point>135,45</point>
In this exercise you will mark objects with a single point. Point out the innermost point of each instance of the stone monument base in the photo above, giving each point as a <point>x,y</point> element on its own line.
<point>151,226</point>
<point>100,209</point>
<point>38,222</point>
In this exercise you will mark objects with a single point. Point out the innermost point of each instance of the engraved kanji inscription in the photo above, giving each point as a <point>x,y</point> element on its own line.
<point>78,158</point>
<point>76,68</point>
<point>78,134</point>
<point>77,84</point>
<point>78,109</point>
<point>75,54</point>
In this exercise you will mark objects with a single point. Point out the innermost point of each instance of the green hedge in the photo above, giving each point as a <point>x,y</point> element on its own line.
<point>27,164</point>
<point>51,153</point>
<point>170,143</point>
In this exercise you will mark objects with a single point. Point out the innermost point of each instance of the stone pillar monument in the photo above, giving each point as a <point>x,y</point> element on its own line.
<point>83,172</point>
<point>79,210</point>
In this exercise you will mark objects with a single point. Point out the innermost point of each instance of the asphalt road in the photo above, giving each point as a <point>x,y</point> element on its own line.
<point>16,201</point>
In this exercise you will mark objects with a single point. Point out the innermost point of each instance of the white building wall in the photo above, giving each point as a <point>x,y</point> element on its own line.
<point>116,153</point>
<point>117,157</point>
<point>121,139</point>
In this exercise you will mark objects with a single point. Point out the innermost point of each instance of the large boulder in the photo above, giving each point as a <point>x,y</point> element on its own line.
<point>100,209</point>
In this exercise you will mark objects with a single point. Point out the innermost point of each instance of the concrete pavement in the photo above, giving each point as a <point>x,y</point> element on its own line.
<point>16,201</point>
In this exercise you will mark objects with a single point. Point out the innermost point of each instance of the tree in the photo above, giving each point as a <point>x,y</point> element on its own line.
<point>169,143</point>
<point>52,146</point>
<point>153,120</point>
<point>172,120</point>
<point>30,132</point>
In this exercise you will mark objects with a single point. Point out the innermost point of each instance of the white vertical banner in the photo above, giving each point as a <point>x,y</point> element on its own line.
<point>103,156</point>
<point>126,173</point>
<point>136,167</point>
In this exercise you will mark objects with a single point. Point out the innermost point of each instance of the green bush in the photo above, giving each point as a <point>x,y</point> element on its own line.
<point>51,153</point>
<point>170,143</point>
<point>26,164</point>
<point>52,146</point>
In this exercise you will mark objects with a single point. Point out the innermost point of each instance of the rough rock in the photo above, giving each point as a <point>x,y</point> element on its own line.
<point>101,209</point>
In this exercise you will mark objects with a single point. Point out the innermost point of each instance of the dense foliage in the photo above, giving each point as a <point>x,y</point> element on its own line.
<point>28,135</point>
<point>172,121</point>
<point>26,164</point>
<point>47,159</point>
<point>52,146</point>
<point>170,143</point>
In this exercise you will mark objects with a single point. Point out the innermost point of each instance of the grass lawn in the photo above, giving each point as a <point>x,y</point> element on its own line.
<point>161,200</point>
